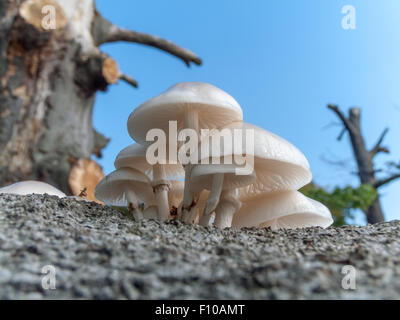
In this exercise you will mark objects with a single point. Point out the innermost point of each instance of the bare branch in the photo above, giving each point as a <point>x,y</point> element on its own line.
<point>357,173</point>
<point>382,182</point>
<point>341,134</point>
<point>340,164</point>
<point>341,116</point>
<point>331,124</point>
<point>128,80</point>
<point>105,32</point>
<point>378,148</point>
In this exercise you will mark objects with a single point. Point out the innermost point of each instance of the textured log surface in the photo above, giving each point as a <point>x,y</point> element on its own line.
<point>100,253</point>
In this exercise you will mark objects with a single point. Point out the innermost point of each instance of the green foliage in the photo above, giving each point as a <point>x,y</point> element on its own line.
<point>123,210</point>
<point>342,201</point>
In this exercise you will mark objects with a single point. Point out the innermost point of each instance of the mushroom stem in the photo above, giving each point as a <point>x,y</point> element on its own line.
<point>161,188</point>
<point>206,221</point>
<point>191,121</point>
<point>192,212</point>
<point>133,205</point>
<point>151,212</point>
<point>226,209</point>
<point>161,192</point>
<point>213,199</point>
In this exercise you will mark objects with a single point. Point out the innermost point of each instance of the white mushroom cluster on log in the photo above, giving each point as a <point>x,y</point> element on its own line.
<point>251,179</point>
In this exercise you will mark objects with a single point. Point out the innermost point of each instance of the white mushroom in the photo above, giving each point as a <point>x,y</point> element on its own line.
<point>193,105</point>
<point>32,187</point>
<point>222,180</point>
<point>278,165</point>
<point>202,104</point>
<point>290,209</point>
<point>134,156</point>
<point>126,186</point>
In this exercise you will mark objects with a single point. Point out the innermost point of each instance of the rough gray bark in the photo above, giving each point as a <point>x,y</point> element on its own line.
<point>99,253</point>
<point>364,158</point>
<point>48,83</point>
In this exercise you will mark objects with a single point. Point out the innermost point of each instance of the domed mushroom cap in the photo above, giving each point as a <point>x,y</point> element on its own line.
<point>278,164</point>
<point>113,188</point>
<point>202,177</point>
<point>289,209</point>
<point>32,187</point>
<point>134,156</point>
<point>214,106</point>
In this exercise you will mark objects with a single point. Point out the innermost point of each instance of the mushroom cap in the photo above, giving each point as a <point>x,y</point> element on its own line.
<point>175,193</point>
<point>113,187</point>
<point>134,156</point>
<point>278,164</point>
<point>290,209</point>
<point>32,187</point>
<point>215,108</point>
<point>202,177</point>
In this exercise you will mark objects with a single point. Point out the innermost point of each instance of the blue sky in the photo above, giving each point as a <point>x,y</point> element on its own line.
<point>282,60</point>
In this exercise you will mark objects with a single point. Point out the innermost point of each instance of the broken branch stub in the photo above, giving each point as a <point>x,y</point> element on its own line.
<point>85,175</point>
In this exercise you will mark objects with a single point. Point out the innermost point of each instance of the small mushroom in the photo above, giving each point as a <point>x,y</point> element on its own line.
<point>288,210</point>
<point>194,105</point>
<point>134,156</point>
<point>126,186</point>
<point>32,187</point>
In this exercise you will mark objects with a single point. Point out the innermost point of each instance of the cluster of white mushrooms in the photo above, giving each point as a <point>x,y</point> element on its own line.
<point>210,190</point>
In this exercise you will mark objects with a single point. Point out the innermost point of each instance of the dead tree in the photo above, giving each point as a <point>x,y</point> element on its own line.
<point>50,70</point>
<point>364,158</point>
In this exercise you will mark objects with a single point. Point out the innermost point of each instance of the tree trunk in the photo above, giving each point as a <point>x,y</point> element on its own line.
<point>374,212</point>
<point>49,76</point>
<point>366,171</point>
